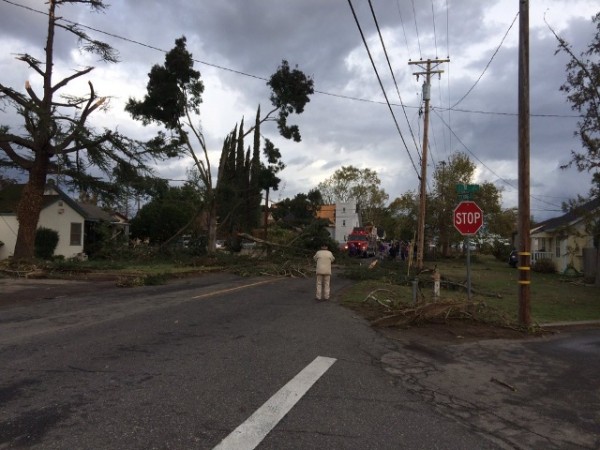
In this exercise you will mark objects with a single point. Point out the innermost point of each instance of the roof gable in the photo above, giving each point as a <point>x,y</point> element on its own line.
<point>94,212</point>
<point>10,195</point>
<point>568,218</point>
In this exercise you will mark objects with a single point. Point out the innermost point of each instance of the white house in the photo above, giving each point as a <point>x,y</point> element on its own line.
<point>563,239</point>
<point>59,212</point>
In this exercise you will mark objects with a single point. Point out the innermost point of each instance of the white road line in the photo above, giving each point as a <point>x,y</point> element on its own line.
<point>236,288</point>
<point>249,434</point>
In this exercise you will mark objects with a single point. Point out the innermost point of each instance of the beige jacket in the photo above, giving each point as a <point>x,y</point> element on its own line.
<point>324,258</point>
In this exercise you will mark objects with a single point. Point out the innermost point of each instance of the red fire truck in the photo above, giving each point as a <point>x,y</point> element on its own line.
<point>362,242</point>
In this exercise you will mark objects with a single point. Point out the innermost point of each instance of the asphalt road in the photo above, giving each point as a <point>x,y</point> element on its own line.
<point>181,366</point>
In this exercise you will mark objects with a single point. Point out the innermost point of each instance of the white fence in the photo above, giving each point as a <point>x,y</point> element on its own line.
<point>536,256</point>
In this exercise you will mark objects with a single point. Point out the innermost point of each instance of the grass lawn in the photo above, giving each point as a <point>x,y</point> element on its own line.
<point>554,298</point>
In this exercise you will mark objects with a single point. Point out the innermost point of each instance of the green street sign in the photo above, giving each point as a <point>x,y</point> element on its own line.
<point>466,191</point>
<point>470,188</point>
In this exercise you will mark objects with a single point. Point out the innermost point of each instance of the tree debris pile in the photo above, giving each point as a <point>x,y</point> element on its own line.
<point>391,311</point>
<point>289,269</point>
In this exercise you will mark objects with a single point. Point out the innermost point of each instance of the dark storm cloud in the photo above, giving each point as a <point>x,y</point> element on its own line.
<point>253,36</point>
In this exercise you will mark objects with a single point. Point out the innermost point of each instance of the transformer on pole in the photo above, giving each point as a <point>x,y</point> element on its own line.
<point>428,69</point>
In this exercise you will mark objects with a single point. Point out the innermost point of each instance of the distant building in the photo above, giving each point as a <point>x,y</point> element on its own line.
<point>343,217</point>
<point>347,218</point>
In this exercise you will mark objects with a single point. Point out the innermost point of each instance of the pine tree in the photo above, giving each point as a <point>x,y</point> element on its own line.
<point>55,135</point>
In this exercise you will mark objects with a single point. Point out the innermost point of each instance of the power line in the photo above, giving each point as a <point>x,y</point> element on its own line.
<point>508,183</point>
<point>381,84</point>
<point>448,77</point>
<point>447,30</point>
<point>239,72</point>
<point>488,64</point>
<point>387,58</point>
<point>403,29</point>
<point>417,29</point>
<point>500,113</point>
<point>116,36</point>
<point>332,94</point>
<point>434,30</point>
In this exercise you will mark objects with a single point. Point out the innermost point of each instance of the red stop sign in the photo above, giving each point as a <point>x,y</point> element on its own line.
<point>468,217</point>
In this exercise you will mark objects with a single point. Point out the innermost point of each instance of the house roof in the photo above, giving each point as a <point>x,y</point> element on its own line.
<point>327,212</point>
<point>10,195</point>
<point>569,218</point>
<point>95,213</point>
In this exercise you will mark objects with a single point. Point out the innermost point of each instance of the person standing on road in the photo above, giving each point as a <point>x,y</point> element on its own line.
<point>324,258</point>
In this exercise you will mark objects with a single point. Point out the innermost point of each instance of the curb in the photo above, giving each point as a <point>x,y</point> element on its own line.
<point>570,324</point>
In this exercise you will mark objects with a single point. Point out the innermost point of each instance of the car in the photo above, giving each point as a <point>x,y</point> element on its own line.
<point>220,244</point>
<point>513,259</point>
<point>248,244</point>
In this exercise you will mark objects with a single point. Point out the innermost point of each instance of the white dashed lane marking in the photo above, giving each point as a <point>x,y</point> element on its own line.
<point>249,434</point>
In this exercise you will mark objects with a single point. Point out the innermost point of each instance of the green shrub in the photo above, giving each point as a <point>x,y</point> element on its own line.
<point>544,265</point>
<point>155,279</point>
<point>197,245</point>
<point>45,243</point>
<point>98,240</point>
<point>501,251</point>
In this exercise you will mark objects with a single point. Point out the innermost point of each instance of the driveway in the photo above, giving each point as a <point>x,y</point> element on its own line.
<point>529,393</point>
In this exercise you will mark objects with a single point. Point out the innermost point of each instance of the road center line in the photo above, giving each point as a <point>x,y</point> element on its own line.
<point>249,434</point>
<point>237,288</point>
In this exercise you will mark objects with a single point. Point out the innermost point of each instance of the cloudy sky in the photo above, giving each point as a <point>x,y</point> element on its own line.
<point>238,44</point>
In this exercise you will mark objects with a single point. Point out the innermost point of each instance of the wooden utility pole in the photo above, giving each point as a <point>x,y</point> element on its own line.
<point>427,67</point>
<point>524,141</point>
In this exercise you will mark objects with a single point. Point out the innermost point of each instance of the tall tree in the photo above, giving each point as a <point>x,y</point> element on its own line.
<point>268,178</point>
<point>174,95</point>
<point>583,92</point>
<point>297,211</point>
<point>363,186</point>
<point>171,210</point>
<point>237,191</point>
<point>404,210</point>
<point>56,137</point>
<point>254,196</point>
<point>447,175</point>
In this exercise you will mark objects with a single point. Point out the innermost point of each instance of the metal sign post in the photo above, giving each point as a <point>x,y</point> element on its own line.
<point>468,242</point>
<point>468,219</point>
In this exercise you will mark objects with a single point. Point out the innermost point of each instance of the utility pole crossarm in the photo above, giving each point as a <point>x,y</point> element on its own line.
<point>428,73</point>
<point>428,63</point>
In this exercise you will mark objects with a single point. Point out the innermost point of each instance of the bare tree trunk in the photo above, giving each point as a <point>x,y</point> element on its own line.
<point>266,222</point>
<point>597,281</point>
<point>212,227</point>
<point>29,209</point>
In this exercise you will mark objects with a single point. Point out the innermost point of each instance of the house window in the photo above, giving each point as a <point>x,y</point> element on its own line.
<point>542,244</point>
<point>343,223</point>
<point>76,234</point>
<point>557,251</point>
<point>344,209</point>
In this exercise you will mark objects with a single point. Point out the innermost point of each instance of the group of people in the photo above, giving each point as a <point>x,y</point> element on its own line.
<point>394,250</point>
